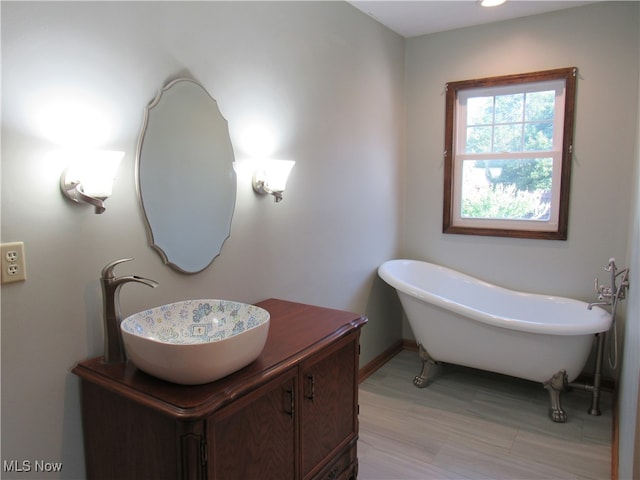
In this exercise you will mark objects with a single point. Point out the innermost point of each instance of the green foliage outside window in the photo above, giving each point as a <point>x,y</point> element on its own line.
<point>505,202</point>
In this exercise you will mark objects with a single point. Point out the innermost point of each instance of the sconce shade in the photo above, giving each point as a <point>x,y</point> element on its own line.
<point>89,178</point>
<point>271,177</point>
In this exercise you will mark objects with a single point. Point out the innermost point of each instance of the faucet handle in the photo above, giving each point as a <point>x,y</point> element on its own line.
<point>602,290</point>
<point>107,271</point>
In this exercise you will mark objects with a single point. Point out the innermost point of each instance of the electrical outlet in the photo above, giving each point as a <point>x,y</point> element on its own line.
<point>13,262</point>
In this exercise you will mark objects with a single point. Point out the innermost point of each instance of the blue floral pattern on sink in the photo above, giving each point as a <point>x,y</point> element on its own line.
<point>195,321</point>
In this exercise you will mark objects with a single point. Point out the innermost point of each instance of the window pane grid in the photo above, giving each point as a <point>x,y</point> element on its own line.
<point>510,123</point>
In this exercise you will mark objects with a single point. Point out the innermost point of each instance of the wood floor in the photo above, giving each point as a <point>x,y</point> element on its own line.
<point>469,424</point>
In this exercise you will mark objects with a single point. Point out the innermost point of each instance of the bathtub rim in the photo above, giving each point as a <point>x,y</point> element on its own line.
<point>598,320</point>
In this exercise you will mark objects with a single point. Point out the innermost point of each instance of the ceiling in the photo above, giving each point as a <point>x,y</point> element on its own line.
<point>420,17</point>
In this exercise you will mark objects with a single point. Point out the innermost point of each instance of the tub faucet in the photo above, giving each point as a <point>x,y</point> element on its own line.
<point>609,296</point>
<point>113,345</point>
<point>595,304</point>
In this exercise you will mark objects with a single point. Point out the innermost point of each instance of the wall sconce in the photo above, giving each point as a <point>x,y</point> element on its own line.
<point>271,177</point>
<point>89,178</point>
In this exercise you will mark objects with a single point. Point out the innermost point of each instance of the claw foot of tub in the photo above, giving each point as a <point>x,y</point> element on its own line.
<point>558,416</point>
<point>555,386</point>
<point>421,380</point>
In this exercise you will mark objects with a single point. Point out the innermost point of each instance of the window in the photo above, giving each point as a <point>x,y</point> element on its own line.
<point>508,148</point>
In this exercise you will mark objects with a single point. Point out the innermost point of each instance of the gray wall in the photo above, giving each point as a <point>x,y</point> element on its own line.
<point>332,83</point>
<point>602,40</point>
<point>629,391</point>
<point>328,80</point>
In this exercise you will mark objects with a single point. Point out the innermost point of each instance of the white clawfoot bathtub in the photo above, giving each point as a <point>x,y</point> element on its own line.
<point>465,321</point>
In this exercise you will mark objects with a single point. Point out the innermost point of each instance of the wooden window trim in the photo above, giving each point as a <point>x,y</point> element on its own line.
<point>569,75</point>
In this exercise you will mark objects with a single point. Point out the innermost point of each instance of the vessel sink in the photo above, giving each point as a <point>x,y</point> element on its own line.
<point>195,341</point>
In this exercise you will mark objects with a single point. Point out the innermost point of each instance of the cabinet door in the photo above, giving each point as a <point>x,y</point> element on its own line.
<point>329,403</point>
<point>254,438</point>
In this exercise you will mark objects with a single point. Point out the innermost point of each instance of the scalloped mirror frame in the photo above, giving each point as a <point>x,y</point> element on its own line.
<point>185,179</point>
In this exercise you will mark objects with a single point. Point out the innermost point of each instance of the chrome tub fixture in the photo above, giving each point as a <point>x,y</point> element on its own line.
<point>608,296</point>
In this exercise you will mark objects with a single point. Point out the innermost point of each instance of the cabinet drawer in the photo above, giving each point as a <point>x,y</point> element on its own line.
<point>344,467</point>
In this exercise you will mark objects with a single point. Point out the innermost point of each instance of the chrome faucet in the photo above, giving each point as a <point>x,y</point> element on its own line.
<point>113,345</point>
<point>609,296</point>
<point>597,304</point>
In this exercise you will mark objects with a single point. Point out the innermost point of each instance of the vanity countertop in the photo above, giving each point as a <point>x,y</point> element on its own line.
<point>297,331</point>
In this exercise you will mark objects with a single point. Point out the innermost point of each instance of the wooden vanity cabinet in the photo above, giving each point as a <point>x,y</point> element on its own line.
<point>291,414</point>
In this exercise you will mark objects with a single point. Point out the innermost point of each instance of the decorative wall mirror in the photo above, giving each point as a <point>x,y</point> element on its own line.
<point>185,177</point>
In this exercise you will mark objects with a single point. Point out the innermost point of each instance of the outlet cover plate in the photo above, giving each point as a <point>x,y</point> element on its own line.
<point>13,262</point>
